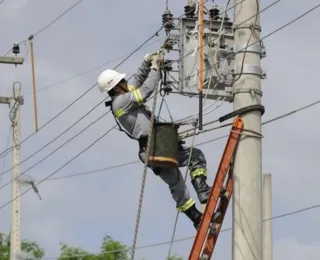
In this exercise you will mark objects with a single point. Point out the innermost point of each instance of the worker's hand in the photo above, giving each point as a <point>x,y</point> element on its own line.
<point>148,57</point>
<point>155,62</point>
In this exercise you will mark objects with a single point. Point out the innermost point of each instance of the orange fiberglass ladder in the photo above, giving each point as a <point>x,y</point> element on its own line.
<point>208,231</point>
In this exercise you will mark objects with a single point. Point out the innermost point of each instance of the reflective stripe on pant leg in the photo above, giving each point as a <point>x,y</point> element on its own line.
<point>198,172</point>
<point>198,160</point>
<point>177,187</point>
<point>186,205</point>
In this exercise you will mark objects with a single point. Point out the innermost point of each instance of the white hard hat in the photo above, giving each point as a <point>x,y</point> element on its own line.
<point>108,79</point>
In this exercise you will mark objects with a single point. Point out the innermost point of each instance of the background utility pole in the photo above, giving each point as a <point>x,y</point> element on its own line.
<point>247,196</point>
<point>15,190</point>
<point>14,114</point>
<point>267,215</point>
<point>14,103</point>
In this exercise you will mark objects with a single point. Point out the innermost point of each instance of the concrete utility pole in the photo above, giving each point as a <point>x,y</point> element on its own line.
<point>247,196</point>
<point>15,190</point>
<point>267,215</point>
<point>14,114</point>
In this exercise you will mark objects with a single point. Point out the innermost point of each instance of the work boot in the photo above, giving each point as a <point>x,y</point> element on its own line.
<point>194,215</point>
<point>201,187</point>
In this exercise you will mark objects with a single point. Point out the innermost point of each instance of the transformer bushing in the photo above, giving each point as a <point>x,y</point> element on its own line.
<point>16,49</point>
<point>214,13</point>
<point>189,10</point>
<point>227,23</point>
<point>167,21</point>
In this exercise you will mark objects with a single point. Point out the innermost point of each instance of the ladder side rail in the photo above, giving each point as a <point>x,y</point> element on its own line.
<point>216,188</point>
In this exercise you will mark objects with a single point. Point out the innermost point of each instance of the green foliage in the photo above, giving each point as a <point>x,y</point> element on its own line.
<point>29,248</point>
<point>110,250</point>
<point>174,258</point>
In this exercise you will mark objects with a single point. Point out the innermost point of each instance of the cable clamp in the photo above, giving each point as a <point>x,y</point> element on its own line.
<point>252,91</point>
<point>248,69</point>
<point>258,47</point>
<point>239,27</point>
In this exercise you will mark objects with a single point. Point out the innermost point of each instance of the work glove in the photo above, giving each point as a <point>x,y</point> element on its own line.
<point>148,56</point>
<point>155,62</point>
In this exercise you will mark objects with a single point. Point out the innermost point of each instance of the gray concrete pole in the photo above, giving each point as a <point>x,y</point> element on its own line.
<point>15,241</point>
<point>267,215</point>
<point>247,195</point>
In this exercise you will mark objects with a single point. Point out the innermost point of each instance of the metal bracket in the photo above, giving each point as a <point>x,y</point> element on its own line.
<point>11,60</point>
<point>252,91</point>
<point>238,27</point>
<point>258,47</point>
<point>249,69</point>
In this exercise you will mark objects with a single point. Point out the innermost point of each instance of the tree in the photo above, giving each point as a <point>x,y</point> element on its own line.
<point>30,250</point>
<point>174,258</point>
<point>110,250</point>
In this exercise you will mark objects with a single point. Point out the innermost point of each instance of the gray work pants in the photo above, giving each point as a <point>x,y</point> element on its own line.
<point>174,178</point>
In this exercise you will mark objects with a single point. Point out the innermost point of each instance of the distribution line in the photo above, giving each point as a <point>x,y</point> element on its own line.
<point>266,36</point>
<point>48,25</point>
<point>83,130</point>
<point>8,150</point>
<point>83,94</point>
<point>199,144</point>
<point>57,149</point>
<point>190,237</point>
<point>60,168</point>
<point>200,47</point>
<point>90,70</point>
<point>264,123</point>
<point>106,63</point>
<point>4,158</point>
<point>54,139</point>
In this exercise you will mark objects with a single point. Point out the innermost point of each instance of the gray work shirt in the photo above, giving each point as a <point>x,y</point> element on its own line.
<point>129,107</point>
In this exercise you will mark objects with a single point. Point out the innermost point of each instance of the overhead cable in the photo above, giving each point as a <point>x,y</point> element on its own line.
<point>54,139</point>
<point>266,36</point>
<point>63,144</point>
<point>48,25</point>
<point>198,144</point>
<point>190,237</point>
<point>91,69</point>
<point>83,94</point>
<point>264,123</point>
<point>4,158</point>
<point>104,64</point>
<point>60,168</point>
<point>55,150</point>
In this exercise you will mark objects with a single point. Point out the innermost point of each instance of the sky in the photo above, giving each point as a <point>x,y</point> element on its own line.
<point>80,210</point>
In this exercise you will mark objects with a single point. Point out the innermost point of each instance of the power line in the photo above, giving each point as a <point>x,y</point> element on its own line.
<point>54,139</point>
<point>83,94</point>
<point>63,144</point>
<point>57,149</point>
<point>199,144</point>
<point>264,37</point>
<point>65,12</point>
<point>191,237</point>
<point>65,164</point>
<point>99,66</point>
<point>48,25</point>
<point>89,70</point>
<point>4,158</point>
